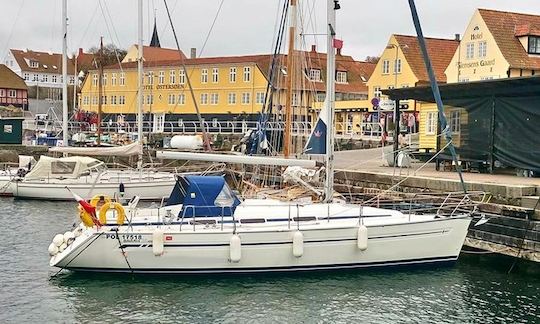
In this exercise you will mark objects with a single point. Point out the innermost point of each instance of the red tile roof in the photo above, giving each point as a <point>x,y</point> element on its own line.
<point>10,80</point>
<point>48,62</point>
<point>440,51</point>
<point>504,26</point>
<point>355,70</point>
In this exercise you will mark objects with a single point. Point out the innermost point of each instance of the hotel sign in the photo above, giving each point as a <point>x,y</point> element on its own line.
<point>165,87</point>
<point>477,64</point>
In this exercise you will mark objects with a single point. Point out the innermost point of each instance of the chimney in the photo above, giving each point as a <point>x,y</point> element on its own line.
<point>457,37</point>
<point>193,53</point>
<point>314,48</point>
<point>338,51</point>
<point>80,52</point>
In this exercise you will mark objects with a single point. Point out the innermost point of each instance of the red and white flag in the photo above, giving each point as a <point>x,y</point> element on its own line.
<point>86,206</point>
<point>338,43</point>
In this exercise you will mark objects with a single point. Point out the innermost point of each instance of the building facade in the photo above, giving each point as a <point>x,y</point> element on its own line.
<point>226,89</point>
<point>13,90</point>
<point>401,65</point>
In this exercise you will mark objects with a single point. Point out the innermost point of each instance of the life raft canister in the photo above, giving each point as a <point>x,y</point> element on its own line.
<point>120,216</point>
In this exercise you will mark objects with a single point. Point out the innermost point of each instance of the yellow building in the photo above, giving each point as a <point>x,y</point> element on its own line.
<point>225,88</point>
<point>495,45</point>
<point>401,66</point>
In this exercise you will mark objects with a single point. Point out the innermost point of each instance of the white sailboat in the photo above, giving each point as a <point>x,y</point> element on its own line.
<point>205,228</point>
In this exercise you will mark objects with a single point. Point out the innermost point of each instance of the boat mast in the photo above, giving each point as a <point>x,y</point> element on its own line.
<point>64,76</point>
<point>100,91</point>
<point>287,142</point>
<point>332,6</point>
<point>140,80</point>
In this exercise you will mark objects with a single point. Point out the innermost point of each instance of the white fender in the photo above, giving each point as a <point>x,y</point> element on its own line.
<point>235,248</point>
<point>157,242</point>
<point>298,244</point>
<point>362,237</point>
<point>58,239</point>
<point>68,237</point>
<point>77,232</point>
<point>53,249</point>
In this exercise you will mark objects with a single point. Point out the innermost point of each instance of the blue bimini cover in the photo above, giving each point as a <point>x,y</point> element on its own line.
<point>203,196</point>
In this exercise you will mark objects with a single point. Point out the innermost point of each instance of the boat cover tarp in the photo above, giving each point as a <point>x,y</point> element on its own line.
<point>125,150</point>
<point>499,120</point>
<point>67,167</point>
<point>203,196</point>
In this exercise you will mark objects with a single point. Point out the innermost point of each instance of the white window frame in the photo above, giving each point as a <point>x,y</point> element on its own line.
<point>377,92</point>
<point>122,78</point>
<point>231,98</point>
<point>54,79</point>
<point>246,98</point>
<point>181,76</point>
<point>232,74</point>
<point>113,79</point>
<point>214,99</point>
<point>386,67</point>
<point>172,77</point>
<point>431,123</point>
<point>181,99</point>
<point>204,98</point>
<point>204,75</point>
<point>455,121</point>
<point>397,66</point>
<point>104,79</point>
<point>341,76</point>
<point>259,98</point>
<point>94,79</point>
<point>315,75</point>
<point>482,49</point>
<point>161,77</point>
<point>171,99</point>
<point>150,78</point>
<point>469,53</point>
<point>215,75</point>
<point>12,93</point>
<point>247,74</point>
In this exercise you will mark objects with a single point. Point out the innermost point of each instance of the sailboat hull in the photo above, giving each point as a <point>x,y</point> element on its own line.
<point>325,247</point>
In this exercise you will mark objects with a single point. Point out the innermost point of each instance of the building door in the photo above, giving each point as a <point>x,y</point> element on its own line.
<point>159,123</point>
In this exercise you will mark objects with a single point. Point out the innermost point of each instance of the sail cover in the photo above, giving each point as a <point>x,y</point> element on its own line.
<point>126,150</point>
<point>317,140</point>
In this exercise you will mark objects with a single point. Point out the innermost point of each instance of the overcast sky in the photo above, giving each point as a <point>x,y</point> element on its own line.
<point>242,27</point>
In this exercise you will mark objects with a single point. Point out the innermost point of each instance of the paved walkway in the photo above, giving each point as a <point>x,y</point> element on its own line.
<point>371,160</point>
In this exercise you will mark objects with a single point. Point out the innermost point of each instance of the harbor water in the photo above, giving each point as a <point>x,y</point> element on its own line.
<point>478,289</point>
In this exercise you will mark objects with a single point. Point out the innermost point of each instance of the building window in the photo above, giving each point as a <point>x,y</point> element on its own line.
<point>27,76</point>
<point>71,80</point>
<point>182,99</point>
<point>470,51</point>
<point>214,99</point>
<point>315,75</point>
<point>377,92</point>
<point>54,79</point>
<point>204,98</point>
<point>386,67</point>
<point>431,123</point>
<point>341,77</point>
<point>103,100</point>
<point>172,99</point>
<point>204,76</point>
<point>172,76</point>
<point>150,78</point>
<point>122,100</point>
<point>215,75</point>
<point>86,100</point>
<point>247,74</point>
<point>534,45</point>
<point>113,100</point>
<point>482,49</point>
<point>259,99</point>
<point>232,75</point>
<point>104,82</point>
<point>35,77</point>
<point>44,78</point>
<point>295,100</point>
<point>161,77</point>
<point>232,98</point>
<point>463,79</point>
<point>113,79</point>
<point>12,93</point>
<point>455,121</point>
<point>182,76</point>
<point>246,98</point>
<point>34,64</point>
<point>122,78</point>
<point>94,100</point>
<point>397,66</point>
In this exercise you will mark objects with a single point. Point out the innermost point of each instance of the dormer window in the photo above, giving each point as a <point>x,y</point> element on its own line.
<point>34,64</point>
<point>315,75</point>
<point>341,77</point>
<point>534,45</point>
